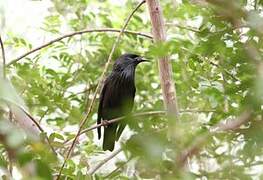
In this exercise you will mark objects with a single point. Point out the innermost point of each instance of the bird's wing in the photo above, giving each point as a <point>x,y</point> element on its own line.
<point>102,95</point>
<point>122,124</point>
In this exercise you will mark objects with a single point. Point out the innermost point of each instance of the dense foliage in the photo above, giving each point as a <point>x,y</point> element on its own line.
<point>215,48</point>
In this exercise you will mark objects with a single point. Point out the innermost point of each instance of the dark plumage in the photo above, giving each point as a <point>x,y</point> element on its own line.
<point>117,97</point>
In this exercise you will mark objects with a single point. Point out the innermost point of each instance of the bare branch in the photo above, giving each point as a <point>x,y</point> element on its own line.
<point>27,122</point>
<point>149,113</point>
<point>24,121</point>
<point>98,89</point>
<point>165,69</point>
<point>104,161</point>
<point>231,125</point>
<point>200,141</point>
<point>119,167</point>
<point>192,150</point>
<point>74,34</point>
<point>121,118</point>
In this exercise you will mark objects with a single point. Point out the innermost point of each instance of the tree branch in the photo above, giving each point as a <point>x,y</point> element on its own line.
<point>200,141</point>
<point>41,129</point>
<point>149,113</point>
<point>121,118</point>
<point>119,167</point>
<point>232,125</point>
<point>74,34</point>
<point>27,122</point>
<point>98,89</point>
<point>104,161</point>
<point>165,69</point>
<point>24,119</point>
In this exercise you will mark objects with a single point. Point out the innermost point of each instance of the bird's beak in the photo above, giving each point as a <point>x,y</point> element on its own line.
<point>143,60</point>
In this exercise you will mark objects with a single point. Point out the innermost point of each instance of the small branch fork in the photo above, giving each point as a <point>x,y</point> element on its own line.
<point>98,89</point>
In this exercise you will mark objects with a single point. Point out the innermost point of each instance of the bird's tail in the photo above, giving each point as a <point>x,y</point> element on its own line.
<point>109,137</point>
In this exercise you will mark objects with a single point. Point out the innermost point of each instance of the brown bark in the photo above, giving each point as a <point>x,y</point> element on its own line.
<point>165,69</point>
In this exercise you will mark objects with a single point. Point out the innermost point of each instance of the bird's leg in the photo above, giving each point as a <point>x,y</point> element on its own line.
<point>105,123</point>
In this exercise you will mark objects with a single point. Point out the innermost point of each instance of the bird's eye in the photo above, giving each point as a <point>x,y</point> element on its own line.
<point>138,58</point>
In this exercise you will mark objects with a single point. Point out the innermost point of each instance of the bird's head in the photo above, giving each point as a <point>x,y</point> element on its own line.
<point>127,61</point>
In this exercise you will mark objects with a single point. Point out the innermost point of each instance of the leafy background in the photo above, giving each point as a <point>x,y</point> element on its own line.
<point>215,48</point>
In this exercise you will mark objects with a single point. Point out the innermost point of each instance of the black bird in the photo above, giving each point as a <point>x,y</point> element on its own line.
<point>117,97</point>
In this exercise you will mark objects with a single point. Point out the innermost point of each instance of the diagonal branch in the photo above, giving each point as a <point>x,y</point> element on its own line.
<point>118,168</point>
<point>200,141</point>
<point>74,34</point>
<point>41,130</point>
<point>98,89</point>
<point>104,161</point>
<point>24,119</point>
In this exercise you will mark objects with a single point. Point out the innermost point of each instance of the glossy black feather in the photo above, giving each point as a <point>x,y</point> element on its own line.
<point>117,98</point>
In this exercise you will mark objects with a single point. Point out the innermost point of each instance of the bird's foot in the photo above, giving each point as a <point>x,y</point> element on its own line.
<point>105,123</point>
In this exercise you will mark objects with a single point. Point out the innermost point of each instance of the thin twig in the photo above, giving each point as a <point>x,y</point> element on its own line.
<point>121,118</point>
<point>3,56</point>
<point>98,89</point>
<point>40,128</point>
<point>45,113</point>
<point>183,27</point>
<point>226,71</point>
<point>104,161</point>
<point>119,167</point>
<point>197,111</point>
<point>77,33</point>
